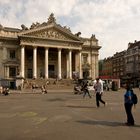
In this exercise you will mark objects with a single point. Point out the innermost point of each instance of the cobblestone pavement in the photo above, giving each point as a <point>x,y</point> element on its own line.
<point>65,116</point>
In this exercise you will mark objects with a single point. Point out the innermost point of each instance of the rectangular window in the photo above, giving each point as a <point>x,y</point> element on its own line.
<point>85,58</point>
<point>12,54</point>
<point>12,72</point>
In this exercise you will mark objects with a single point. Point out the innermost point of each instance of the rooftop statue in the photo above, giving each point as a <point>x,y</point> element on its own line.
<point>93,37</point>
<point>35,25</point>
<point>51,19</point>
<point>1,27</point>
<point>78,34</point>
<point>24,27</point>
<point>67,28</point>
<point>32,26</point>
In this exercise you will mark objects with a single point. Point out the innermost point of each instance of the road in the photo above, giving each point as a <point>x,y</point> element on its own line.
<point>65,116</point>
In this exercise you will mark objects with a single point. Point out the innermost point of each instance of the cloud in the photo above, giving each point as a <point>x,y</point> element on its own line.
<point>114,22</point>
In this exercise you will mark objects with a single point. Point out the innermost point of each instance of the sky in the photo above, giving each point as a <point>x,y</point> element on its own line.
<point>115,23</point>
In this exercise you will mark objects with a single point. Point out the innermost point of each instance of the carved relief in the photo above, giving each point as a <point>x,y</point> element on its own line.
<point>73,45</point>
<point>51,33</point>
<point>27,40</point>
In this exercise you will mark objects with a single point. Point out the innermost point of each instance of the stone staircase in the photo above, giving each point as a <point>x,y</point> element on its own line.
<point>51,84</point>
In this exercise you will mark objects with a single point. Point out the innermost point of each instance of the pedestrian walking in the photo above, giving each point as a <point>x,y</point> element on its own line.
<point>98,86</point>
<point>85,89</point>
<point>128,103</point>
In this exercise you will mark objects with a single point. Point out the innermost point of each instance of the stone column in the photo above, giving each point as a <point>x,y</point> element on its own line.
<point>22,70</point>
<point>70,64</point>
<point>96,66</point>
<point>35,62</point>
<point>59,64</point>
<point>4,53</point>
<point>67,66</point>
<point>93,72</point>
<point>6,71</point>
<point>80,65</point>
<point>90,62</point>
<point>46,63</point>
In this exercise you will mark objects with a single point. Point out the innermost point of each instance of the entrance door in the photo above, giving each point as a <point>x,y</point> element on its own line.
<point>30,73</point>
<point>86,74</point>
<point>12,85</point>
<point>51,71</point>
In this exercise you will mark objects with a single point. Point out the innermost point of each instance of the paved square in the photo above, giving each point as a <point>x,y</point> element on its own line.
<point>65,116</point>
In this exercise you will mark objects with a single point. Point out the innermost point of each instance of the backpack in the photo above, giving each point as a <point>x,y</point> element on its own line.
<point>134,98</point>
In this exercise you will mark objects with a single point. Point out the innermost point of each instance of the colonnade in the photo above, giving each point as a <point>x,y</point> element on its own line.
<point>59,75</point>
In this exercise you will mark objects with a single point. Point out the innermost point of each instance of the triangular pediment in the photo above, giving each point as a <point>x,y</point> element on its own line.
<point>51,32</point>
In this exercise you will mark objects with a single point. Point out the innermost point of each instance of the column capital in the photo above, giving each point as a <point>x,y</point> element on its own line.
<point>22,46</point>
<point>70,49</point>
<point>59,48</point>
<point>46,48</point>
<point>35,47</point>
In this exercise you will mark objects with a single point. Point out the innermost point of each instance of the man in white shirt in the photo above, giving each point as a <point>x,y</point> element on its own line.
<point>99,91</point>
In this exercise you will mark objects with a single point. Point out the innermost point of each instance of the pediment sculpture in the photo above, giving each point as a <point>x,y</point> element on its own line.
<point>50,33</point>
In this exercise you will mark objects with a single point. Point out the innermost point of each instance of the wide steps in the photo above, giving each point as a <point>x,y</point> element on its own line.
<point>51,83</point>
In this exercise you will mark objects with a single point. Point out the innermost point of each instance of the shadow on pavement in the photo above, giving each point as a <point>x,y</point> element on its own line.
<point>76,106</point>
<point>105,123</point>
<point>56,99</point>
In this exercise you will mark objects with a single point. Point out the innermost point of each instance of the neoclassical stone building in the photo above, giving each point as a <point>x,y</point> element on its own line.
<point>46,50</point>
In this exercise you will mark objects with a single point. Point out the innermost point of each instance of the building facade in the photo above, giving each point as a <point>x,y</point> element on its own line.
<point>132,63</point>
<point>114,67</point>
<point>125,65</point>
<point>47,50</point>
<point>118,64</point>
<point>105,67</point>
